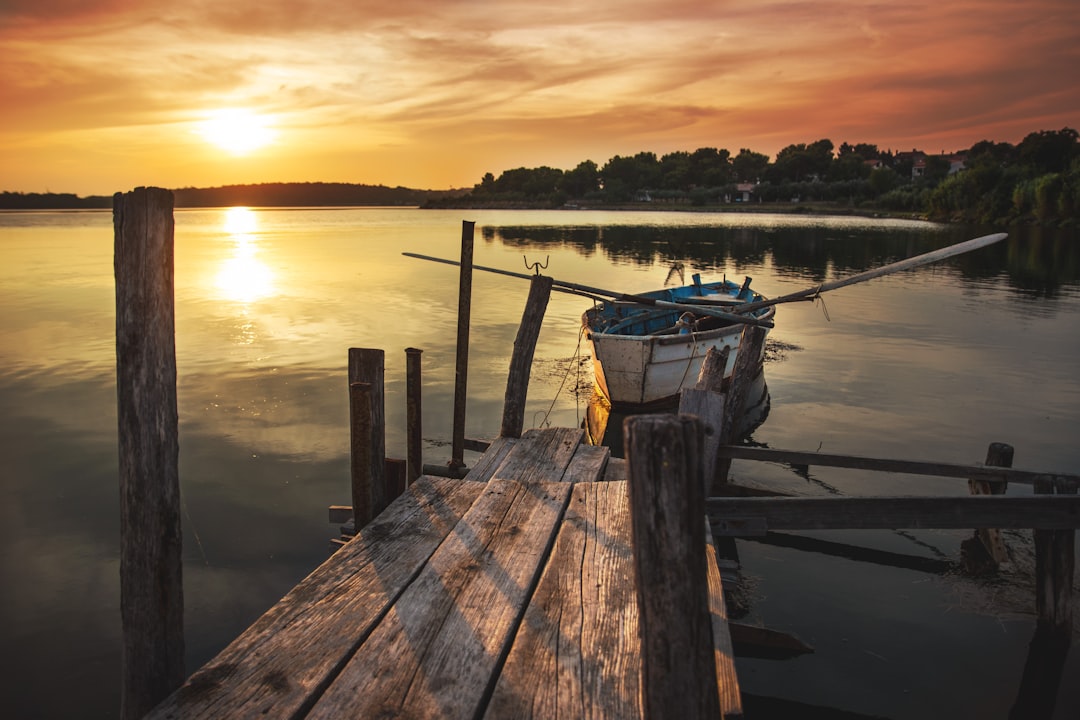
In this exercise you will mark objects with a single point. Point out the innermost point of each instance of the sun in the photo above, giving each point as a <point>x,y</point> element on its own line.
<point>237,131</point>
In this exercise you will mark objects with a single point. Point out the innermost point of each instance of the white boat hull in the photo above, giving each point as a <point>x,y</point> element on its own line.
<point>639,370</point>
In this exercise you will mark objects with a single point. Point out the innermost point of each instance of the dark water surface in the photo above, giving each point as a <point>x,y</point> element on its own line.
<point>932,364</point>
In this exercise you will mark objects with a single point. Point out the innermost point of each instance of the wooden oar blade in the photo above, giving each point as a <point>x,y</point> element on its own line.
<point>899,266</point>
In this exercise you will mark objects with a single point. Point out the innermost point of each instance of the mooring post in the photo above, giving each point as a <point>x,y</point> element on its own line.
<point>997,455</point>
<point>461,376</point>
<point>414,451</point>
<point>151,586</point>
<point>1055,561</point>
<point>747,365</point>
<point>707,401</point>
<point>667,519</point>
<point>360,444</point>
<point>367,365</point>
<point>517,381</point>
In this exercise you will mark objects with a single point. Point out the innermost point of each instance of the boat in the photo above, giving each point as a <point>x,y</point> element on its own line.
<point>648,346</point>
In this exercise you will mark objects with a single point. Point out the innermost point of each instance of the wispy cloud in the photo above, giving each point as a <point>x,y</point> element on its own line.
<point>357,83</point>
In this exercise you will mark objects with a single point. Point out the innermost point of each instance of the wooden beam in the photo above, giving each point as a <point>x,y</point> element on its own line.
<point>675,624</point>
<point>911,467</point>
<point>151,585</point>
<point>414,442</point>
<point>366,365</point>
<point>997,455</point>
<point>855,513</point>
<point>461,373</point>
<point>517,381</point>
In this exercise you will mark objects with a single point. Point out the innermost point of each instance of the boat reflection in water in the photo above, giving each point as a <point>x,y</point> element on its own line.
<point>603,423</point>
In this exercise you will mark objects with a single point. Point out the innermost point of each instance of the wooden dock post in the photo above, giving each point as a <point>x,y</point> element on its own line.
<point>517,381</point>
<point>707,401</point>
<point>414,442</point>
<point>667,508</point>
<point>151,583</point>
<point>461,375</point>
<point>997,455</point>
<point>360,443</point>
<point>366,365</point>
<point>747,365</point>
<point>1055,561</point>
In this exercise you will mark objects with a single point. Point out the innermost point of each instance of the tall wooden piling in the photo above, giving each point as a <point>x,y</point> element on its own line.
<point>747,366</point>
<point>461,375</point>
<point>667,515</point>
<point>1055,562</point>
<point>360,443</point>
<point>997,455</point>
<point>414,442</point>
<point>517,381</point>
<point>367,366</point>
<point>151,587</point>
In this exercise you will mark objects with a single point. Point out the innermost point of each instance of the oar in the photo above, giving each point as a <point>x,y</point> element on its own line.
<point>924,259</point>
<point>600,294</point>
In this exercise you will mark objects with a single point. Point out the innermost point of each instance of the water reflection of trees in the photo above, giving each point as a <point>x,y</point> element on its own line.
<point>1035,261</point>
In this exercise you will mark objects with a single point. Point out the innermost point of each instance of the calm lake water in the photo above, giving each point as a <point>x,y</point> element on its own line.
<point>932,364</point>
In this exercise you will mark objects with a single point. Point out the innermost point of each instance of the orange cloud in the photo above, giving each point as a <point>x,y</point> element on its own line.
<point>433,95</point>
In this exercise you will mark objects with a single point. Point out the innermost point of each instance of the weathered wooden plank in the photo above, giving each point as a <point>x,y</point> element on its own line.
<point>300,644</point>
<point>490,461</point>
<point>911,467</point>
<point>576,654</point>
<point>857,513</point>
<point>588,464</point>
<point>436,651</point>
<point>541,455</point>
<point>727,682</point>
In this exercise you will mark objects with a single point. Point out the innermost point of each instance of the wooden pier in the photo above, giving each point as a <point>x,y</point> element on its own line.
<point>508,594</point>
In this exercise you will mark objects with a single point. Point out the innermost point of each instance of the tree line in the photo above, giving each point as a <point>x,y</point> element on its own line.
<point>315,194</point>
<point>990,182</point>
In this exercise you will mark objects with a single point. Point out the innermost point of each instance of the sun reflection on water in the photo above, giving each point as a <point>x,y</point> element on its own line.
<point>243,278</point>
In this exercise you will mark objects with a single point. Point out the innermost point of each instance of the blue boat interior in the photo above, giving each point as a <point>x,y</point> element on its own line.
<point>634,319</point>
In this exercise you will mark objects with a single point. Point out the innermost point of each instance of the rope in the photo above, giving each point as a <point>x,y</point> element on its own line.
<point>577,352</point>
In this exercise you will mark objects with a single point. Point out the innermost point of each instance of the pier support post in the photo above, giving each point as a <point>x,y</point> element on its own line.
<point>360,442</point>
<point>997,455</point>
<point>517,381</point>
<point>461,375</point>
<point>747,366</point>
<point>667,516</point>
<point>414,443</point>
<point>367,366</point>
<point>151,587</point>
<point>1055,561</point>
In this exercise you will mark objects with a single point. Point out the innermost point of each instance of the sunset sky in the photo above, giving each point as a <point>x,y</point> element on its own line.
<point>99,97</point>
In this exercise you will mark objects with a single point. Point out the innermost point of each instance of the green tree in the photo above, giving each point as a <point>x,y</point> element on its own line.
<point>749,166</point>
<point>582,180</point>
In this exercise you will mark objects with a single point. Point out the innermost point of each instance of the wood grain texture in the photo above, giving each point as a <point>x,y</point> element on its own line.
<point>727,682</point>
<point>913,467</point>
<point>297,648</point>
<point>667,499</point>
<point>577,653</point>
<point>151,587</point>
<point>437,650</point>
<point>857,513</point>
<point>517,380</point>
<point>541,456</point>
<point>367,365</point>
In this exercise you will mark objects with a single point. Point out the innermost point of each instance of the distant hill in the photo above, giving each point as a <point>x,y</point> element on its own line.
<point>262,195</point>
